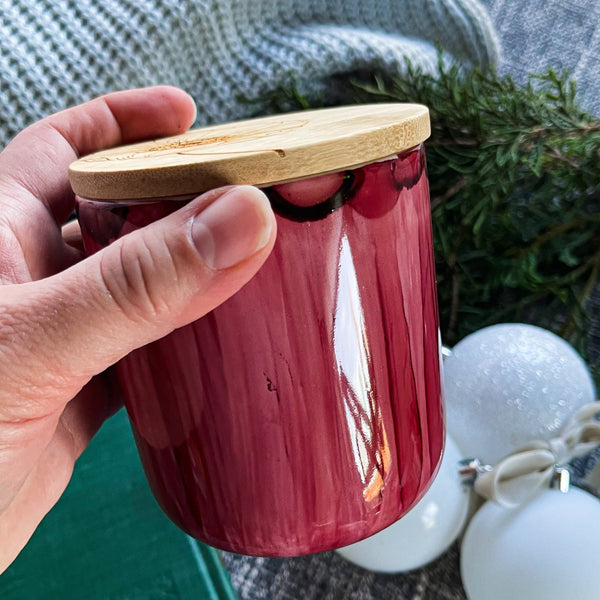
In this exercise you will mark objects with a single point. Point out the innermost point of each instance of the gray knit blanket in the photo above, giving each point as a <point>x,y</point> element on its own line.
<point>228,54</point>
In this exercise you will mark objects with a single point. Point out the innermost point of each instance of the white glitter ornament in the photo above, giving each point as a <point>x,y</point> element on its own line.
<point>509,384</point>
<point>546,549</point>
<point>425,532</point>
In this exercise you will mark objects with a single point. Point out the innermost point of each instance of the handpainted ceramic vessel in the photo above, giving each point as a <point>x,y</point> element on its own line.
<point>305,412</point>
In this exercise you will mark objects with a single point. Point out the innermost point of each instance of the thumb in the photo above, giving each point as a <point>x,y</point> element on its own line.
<point>75,324</point>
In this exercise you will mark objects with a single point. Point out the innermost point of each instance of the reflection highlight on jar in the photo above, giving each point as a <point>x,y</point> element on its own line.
<point>351,346</point>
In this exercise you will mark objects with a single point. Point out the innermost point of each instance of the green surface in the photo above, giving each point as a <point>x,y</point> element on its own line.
<point>107,538</point>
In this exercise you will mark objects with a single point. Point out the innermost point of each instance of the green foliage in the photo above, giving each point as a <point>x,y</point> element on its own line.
<point>515,185</point>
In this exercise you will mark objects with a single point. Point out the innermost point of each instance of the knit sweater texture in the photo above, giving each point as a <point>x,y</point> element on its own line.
<point>228,54</point>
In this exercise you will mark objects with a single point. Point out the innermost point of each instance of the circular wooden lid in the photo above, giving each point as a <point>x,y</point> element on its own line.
<point>261,152</point>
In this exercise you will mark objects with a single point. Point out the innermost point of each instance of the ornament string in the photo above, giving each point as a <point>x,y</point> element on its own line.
<point>518,476</point>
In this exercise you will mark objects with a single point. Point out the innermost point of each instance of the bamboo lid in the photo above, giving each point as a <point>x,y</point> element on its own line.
<point>261,152</point>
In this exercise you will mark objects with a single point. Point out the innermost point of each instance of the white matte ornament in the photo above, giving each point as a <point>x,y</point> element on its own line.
<point>425,532</point>
<point>546,549</point>
<point>509,384</point>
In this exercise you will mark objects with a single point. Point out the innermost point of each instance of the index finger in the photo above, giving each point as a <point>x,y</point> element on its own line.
<point>36,161</point>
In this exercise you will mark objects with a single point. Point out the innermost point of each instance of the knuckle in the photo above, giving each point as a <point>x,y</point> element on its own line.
<point>141,277</point>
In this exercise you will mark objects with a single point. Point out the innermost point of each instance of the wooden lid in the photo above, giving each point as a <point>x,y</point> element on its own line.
<point>261,152</point>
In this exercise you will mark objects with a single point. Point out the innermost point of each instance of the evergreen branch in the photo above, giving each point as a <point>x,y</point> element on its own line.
<point>514,171</point>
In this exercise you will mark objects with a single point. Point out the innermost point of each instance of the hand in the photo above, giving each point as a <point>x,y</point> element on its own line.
<point>64,320</point>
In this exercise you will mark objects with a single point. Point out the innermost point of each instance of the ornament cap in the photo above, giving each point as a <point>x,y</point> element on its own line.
<point>561,480</point>
<point>470,468</point>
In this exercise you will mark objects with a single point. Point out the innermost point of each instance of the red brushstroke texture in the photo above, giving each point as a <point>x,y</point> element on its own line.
<point>241,417</point>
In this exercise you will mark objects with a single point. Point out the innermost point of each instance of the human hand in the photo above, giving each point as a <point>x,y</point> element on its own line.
<point>64,320</point>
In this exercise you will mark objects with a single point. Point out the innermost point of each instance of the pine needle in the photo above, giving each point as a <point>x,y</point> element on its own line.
<point>515,186</point>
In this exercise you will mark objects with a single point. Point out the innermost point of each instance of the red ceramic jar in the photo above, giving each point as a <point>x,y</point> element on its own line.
<point>304,413</point>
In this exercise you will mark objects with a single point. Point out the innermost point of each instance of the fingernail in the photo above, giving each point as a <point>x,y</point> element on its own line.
<point>234,227</point>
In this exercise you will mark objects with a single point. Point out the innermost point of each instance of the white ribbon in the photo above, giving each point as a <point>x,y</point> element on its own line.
<point>522,473</point>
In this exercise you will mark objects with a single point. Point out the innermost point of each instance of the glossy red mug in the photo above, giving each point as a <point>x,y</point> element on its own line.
<point>304,413</point>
